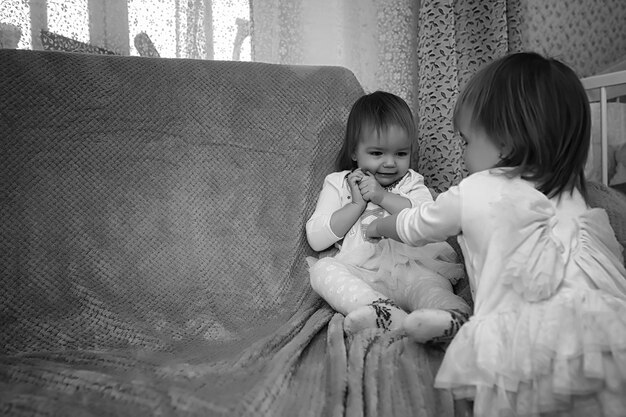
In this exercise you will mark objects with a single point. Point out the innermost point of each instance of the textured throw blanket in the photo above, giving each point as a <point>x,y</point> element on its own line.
<point>152,247</point>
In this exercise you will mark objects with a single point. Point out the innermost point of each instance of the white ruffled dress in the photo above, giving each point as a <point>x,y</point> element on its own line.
<point>548,334</point>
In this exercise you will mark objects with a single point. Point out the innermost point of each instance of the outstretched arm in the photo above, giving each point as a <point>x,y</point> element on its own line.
<point>385,227</point>
<point>430,222</point>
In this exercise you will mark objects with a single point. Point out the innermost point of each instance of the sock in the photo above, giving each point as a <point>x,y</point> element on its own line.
<point>382,313</point>
<point>433,325</point>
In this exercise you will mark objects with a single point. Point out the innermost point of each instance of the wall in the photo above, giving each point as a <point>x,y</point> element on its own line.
<point>589,35</point>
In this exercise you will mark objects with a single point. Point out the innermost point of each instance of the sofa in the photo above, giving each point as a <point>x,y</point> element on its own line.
<point>152,256</point>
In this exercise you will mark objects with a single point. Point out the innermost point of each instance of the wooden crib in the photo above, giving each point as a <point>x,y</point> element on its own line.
<point>607,93</point>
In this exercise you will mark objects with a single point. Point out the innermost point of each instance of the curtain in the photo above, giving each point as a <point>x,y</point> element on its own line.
<point>376,39</point>
<point>199,29</point>
<point>455,39</point>
<point>422,51</point>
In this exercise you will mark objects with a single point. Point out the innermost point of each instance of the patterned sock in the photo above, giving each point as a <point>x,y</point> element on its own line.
<point>433,325</point>
<point>382,313</point>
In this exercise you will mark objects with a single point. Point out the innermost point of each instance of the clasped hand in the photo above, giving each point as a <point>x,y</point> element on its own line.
<point>364,187</point>
<point>371,233</point>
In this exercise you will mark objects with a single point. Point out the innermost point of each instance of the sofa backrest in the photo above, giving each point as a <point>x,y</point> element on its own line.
<point>186,182</point>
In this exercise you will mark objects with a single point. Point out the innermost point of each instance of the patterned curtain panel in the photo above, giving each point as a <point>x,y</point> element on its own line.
<point>455,39</point>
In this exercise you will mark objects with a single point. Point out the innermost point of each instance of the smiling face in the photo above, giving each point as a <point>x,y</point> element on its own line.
<point>479,151</point>
<point>385,154</point>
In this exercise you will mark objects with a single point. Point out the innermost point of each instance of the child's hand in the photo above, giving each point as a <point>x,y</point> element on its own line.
<point>371,233</point>
<point>353,181</point>
<point>370,189</point>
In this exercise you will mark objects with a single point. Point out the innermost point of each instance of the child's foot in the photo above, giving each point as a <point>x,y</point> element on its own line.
<point>433,325</point>
<point>382,313</point>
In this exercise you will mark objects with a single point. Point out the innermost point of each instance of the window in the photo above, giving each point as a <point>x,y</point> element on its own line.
<point>217,29</point>
<point>69,18</point>
<point>15,24</point>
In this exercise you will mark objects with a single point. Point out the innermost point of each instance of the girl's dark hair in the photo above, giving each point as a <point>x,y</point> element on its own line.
<point>537,111</point>
<point>377,110</point>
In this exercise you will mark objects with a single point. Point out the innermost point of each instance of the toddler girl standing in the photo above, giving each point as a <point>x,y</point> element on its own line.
<point>548,334</point>
<point>373,283</point>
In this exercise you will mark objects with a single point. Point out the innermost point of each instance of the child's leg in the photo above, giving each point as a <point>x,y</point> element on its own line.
<point>437,313</point>
<point>346,293</point>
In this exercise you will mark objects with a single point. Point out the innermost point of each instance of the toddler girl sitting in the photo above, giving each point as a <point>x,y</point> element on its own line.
<point>375,284</point>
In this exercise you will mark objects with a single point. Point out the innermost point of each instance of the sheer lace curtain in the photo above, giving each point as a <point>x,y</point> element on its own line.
<point>200,29</point>
<point>376,39</point>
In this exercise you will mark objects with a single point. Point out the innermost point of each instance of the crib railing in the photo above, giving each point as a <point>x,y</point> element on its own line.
<point>602,88</point>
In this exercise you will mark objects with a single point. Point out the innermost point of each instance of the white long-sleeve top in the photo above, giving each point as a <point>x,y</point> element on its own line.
<point>336,194</point>
<point>496,219</point>
<point>549,289</point>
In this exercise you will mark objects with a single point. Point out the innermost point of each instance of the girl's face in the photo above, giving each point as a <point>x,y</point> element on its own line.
<point>479,151</point>
<point>386,156</point>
